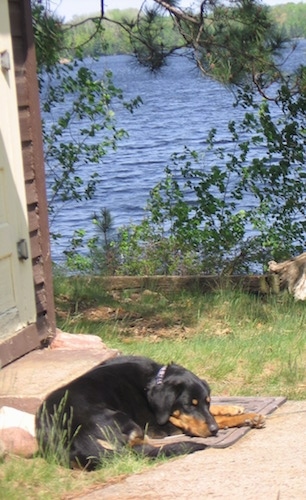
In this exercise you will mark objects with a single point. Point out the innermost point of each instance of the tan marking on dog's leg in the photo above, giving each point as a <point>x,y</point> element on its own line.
<point>226,410</point>
<point>254,420</point>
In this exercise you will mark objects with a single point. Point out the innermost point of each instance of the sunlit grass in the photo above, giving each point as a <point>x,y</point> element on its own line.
<point>242,344</point>
<point>41,479</point>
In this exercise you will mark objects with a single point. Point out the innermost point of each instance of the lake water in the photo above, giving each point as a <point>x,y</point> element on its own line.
<point>179,109</point>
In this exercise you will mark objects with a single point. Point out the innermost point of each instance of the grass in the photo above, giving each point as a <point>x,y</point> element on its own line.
<point>45,480</point>
<point>242,344</point>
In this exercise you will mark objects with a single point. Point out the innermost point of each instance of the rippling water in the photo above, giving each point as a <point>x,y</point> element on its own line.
<point>179,108</point>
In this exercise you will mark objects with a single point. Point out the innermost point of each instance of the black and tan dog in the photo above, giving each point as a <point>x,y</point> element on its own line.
<point>127,401</point>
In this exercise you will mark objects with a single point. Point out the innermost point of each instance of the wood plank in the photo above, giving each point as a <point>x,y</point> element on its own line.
<point>228,437</point>
<point>38,161</point>
<point>35,245</point>
<point>22,91</point>
<point>40,297</point>
<point>256,283</point>
<point>31,192</point>
<point>25,124</point>
<point>15,18</point>
<point>23,342</point>
<point>33,218</point>
<point>28,164</point>
<point>38,273</point>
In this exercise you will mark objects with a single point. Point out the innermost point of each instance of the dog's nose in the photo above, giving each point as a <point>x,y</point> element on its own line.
<point>213,429</point>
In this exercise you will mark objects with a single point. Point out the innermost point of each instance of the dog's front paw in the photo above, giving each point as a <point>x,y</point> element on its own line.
<point>255,421</point>
<point>226,410</point>
<point>235,410</point>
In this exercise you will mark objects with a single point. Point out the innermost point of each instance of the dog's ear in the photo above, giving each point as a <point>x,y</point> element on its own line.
<point>161,398</point>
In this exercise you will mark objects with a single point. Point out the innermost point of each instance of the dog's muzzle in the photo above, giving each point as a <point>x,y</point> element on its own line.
<point>194,426</point>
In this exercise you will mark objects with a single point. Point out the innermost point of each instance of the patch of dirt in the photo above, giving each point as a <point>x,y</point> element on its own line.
<point>133,325</point>
<point>160,319</point>
<point>103,313</point>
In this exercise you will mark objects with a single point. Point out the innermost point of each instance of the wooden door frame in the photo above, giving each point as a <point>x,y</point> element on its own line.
<point>44,328</point>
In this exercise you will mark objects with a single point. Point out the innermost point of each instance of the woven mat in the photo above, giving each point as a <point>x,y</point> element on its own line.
<point>228,437</point>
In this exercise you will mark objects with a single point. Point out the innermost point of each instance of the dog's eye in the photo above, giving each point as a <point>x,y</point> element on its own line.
<point>195,402</point>
<point>208,400</point>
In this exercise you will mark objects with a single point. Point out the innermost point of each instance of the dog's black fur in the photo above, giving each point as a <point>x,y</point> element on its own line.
<point>118,403</point>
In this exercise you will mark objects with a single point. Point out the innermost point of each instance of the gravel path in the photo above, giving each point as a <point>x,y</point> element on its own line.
<point>265,464</point>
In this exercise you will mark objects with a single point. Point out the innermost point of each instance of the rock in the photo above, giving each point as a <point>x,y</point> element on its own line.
<point>17,432</point>
<point>73,341</point>
<point>17,441</point>
<point>11,417</point>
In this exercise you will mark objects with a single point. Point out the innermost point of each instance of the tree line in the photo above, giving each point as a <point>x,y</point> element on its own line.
<point>235,45</point>
<point>114,40</point>
<point>291,17</point>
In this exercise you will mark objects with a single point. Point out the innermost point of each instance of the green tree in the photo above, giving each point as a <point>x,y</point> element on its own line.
<point>230,41</point>
<point>235,43</point>
<point>216,233</point>
<point>87,119</point>
<point>114,39</point>
<point>291,18</point>
<point>49,37</point>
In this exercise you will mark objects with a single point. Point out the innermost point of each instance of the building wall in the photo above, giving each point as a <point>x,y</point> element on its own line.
<point>34,177</point>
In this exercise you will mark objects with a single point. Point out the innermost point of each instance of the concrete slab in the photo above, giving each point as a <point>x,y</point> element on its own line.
<point>267,463</point>
<point>25,382</point>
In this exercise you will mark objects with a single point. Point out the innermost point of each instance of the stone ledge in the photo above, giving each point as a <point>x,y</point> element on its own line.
<point>26,382</point>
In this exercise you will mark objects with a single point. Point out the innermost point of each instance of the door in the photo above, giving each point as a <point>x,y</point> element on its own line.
<point>17,299</point>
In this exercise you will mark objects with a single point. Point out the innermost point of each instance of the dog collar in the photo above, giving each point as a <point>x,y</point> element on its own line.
<point>160,375</point>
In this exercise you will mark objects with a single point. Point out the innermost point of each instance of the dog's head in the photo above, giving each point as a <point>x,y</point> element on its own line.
<point>179,396</point>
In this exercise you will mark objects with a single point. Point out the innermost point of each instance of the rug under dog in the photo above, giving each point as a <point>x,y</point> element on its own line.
<point>227,437</point>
